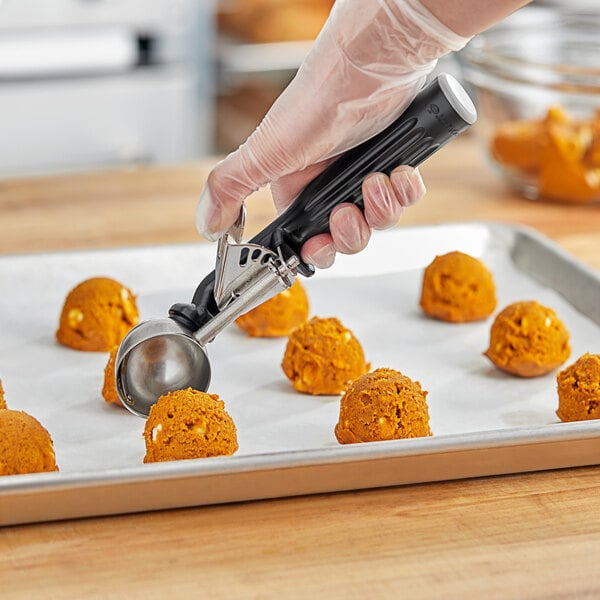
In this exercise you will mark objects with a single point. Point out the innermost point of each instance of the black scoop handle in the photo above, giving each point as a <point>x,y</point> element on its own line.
<point>438,113</point>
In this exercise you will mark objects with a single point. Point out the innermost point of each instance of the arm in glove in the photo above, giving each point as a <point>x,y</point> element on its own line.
<point>366,66</point>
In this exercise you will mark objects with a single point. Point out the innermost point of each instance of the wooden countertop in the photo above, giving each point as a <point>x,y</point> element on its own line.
<point>521,536</point>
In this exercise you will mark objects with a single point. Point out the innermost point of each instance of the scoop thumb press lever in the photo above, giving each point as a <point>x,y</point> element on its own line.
<point>160,356</point>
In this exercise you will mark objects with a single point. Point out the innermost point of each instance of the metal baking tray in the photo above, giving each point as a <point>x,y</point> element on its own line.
<point>484,422</point>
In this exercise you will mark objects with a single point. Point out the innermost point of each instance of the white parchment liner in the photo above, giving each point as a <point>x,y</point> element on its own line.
<point>374,293</point>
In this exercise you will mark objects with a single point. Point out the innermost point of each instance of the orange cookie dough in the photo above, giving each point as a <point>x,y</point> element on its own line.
<point>322,357</point>
<point>188,424</point>
<point>278,316</point>
<point>2,400</point>
<point>528,339</point>
<point>25,445</point>
<point>96,315</point>
<point>382,405</point>
<point>561,154</point>
<point>458,288</point>
<point>579,389</point>
<point>109,388</point>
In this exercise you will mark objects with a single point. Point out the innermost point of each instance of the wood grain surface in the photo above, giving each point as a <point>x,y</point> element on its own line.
<point>521,536</point>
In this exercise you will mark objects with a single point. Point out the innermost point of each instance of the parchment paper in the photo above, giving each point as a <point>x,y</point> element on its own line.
<point>375,294</point>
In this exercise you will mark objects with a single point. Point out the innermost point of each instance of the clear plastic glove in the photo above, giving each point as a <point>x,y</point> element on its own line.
<point>366,66</point>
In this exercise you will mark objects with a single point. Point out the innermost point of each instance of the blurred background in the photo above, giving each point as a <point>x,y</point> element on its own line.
<point>93,84</point>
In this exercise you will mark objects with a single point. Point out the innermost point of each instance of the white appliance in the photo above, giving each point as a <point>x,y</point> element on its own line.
<point>89,84</point>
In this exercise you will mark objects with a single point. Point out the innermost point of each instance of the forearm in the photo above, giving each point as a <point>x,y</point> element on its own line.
<point>469,17</point>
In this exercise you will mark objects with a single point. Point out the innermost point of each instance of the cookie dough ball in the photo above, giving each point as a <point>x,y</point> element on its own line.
<point>188,424</point>
<point>2,400</point>
<point>579,389</point>
<point>25,445</point>
<point>458,288</point>
<point>96,315</point>
<point>322,357</point>
<point>528,339</point>
<point>109,388</point>
<point>278,316</point>
<point>382,405</point>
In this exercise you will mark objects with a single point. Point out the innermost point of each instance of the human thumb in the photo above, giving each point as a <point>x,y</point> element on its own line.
<point>233,179</point>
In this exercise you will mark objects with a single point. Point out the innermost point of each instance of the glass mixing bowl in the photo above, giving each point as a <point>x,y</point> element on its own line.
<point>535,79</point>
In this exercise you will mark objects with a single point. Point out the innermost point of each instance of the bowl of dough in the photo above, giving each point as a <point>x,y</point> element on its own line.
<point>535,78</point>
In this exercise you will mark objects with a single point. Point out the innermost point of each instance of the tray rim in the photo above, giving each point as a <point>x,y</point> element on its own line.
<point>500,227</point>
<point>451,443</point>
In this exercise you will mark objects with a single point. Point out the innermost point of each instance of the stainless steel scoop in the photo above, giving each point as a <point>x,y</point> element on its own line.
<point>164,355</point>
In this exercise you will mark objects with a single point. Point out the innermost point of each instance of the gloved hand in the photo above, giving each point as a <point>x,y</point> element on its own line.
<point>365,67</point>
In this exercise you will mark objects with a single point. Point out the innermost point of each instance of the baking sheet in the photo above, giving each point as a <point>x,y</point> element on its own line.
<point>484,422</point>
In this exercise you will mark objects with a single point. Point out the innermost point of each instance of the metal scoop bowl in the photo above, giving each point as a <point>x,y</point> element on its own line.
<point>158,357</point>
